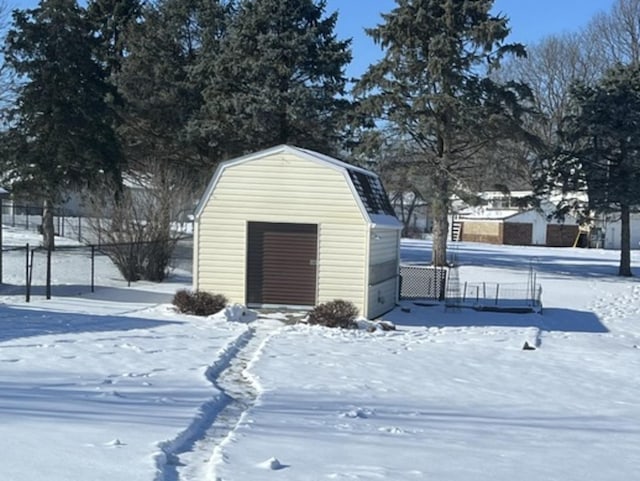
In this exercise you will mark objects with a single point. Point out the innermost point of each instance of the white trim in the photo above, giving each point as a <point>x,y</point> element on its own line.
<point>279,306</point>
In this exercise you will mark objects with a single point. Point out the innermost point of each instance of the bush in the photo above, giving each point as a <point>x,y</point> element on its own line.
<point>148,260</point>
<point>199,303</point>
<point>336,313</point>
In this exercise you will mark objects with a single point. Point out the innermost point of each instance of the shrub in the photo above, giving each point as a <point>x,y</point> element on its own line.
<point>199,303</point>
<point>183,300</point>
<point>336,313</point>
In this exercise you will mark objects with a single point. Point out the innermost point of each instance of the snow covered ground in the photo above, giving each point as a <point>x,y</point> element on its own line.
<point>114,385</point>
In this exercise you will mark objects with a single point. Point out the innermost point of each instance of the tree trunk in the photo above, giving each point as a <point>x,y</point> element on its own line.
<point>48,231</point>
<point>440,206</point>
<point>408,215</point>
<point>625,242</point>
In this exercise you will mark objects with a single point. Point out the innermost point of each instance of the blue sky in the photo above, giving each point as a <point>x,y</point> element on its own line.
<point>530,20</point>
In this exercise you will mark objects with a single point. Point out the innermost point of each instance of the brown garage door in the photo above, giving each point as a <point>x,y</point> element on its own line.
<point>561,235</point>
<point>517,234</point>
<point>281,264</point>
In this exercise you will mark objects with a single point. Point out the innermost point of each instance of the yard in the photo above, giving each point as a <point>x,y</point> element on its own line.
<point>114,385</point>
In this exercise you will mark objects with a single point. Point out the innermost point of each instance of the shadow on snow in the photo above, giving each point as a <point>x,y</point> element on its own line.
<point>554,319</point>
<point>125,294</point>
<point>551,260</point>
<point>18,323</point>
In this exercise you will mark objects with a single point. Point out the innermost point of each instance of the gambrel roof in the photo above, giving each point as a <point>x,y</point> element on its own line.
<point>366,186</point>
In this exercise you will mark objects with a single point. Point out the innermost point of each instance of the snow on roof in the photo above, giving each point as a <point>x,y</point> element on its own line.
<point>488,214</point>
<point>498,194</point>
<point>3,193</point>
<point>366,185</point>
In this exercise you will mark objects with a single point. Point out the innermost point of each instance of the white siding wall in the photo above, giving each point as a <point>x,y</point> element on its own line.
<point>538,222</point>
<point>384,247</point>
<point>283,188</point>
<point>613,231</point>
<point>382,298</point>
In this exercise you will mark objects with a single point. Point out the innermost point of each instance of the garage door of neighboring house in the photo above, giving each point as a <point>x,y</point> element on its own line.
<point>561,235</point>
<point>515,233</point>
<point>281,264</point>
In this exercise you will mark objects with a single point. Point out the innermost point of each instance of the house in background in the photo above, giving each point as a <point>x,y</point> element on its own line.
<point>414,213</point>
<point>609,227</point>
<point>292,227</point>
<point>505,219</point>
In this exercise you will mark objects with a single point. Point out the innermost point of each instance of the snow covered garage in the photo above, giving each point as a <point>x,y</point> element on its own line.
<point>292,227</point>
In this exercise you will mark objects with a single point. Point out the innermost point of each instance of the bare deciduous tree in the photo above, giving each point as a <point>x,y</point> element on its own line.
<point>142,227</point>
<point>616,34</point>
<point>6,79</point>
<point>550,68</point>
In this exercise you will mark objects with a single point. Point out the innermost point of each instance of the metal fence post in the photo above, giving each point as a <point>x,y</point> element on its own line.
<point>130,265</point>
<point>93,267</point>
<point>48,282</point>
<point>26,275</point>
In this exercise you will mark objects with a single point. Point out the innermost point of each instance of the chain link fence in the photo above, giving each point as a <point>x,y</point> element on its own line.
<point>74,269</point>
<point>442,284</point>
<point>65,223</point>
<point>423,282</point>
<point>495,296</point>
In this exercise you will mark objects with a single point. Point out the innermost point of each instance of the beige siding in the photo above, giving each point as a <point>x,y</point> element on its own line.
<point>341,263</point>
<point>221,256</point>
<point>282,188</point>
<point>485,228</point>
<point>195,256</point>
<point>487,231</point>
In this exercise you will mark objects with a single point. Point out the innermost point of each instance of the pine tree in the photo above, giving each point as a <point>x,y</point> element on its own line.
<point>433,90</point>
<point>603,154</point>
<point>61,134</point>
<point>111,20</point>
<point>161,92</point>
<point>159,95</point>
<point>278,78</point>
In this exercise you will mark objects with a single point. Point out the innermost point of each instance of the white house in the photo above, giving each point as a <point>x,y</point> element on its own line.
<point>611,230</point>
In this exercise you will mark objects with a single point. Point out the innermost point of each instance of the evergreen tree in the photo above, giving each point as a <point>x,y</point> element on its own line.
<point>604,158</point>
<point>111,20</point>
<point>61,134</point>
<point>278,78</point>
<point>159,94</point>
<point>433,89</point>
